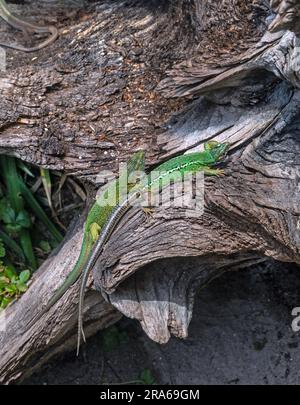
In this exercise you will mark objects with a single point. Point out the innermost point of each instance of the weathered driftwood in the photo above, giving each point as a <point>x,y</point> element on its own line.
<point>164,77</point>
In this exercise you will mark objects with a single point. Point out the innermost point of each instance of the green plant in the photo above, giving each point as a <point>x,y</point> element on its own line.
<point>22,222</point>
<point>12,284</point>
<point>2,249</point>
<point>146,377</point>
<point>12,245</point>
<point>16,219</point>
<point>19,210</point>
<point>45,246</point>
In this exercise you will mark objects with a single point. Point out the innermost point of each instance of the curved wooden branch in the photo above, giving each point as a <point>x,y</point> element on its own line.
<point>288,15</point>
<point>246,219</point>
<point>156,76</point>
<point>24,349</point>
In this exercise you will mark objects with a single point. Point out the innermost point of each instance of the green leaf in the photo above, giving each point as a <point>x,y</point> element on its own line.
<point>13,229</point>
<point>4,302</point>
<point>26,244</point>
<point>11,288</point>
<point>4,204</point>
<point>8,215</point>
<point>12,245</point>
<point>4,281</point>
<point>23,219</point>
<point>45,246</point>
<point>2,249</point>
<point>46,179</point>
<point>10,273</point>
<point>21,165</point>
<point>10,176</point>
<point>22,287</point>
<point>147,377</point>
<point>24,276</point>
<point>38,211</point>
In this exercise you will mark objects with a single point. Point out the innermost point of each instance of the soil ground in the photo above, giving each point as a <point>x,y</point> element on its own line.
<point>240,334</point>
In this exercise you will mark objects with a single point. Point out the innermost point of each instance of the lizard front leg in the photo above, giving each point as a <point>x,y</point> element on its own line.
<point>213,172</point>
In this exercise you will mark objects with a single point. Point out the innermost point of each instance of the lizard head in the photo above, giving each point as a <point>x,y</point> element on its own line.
<point>217,149</point>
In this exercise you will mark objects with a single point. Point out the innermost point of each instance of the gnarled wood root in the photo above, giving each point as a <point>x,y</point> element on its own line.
<point>164,77</point>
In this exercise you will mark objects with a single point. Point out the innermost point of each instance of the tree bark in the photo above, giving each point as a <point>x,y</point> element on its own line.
<point>164,77</point>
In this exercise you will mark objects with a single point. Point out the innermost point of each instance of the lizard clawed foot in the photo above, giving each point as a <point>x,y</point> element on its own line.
<point>148,211</point>
<point>220,172</point>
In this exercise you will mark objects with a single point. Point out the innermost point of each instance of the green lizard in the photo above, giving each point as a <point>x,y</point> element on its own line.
<point>96,219</point>
<point>190,163</point>
<point>25,26</point>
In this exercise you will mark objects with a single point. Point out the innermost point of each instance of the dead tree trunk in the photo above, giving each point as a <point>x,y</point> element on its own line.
<point>164,77</point>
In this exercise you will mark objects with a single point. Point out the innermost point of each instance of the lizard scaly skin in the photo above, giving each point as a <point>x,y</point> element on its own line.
<point>194,162</point>
<point>96,219</point>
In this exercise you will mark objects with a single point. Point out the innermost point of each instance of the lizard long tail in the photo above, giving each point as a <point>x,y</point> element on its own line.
<point>70,280</point>
<point>107,230</point>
